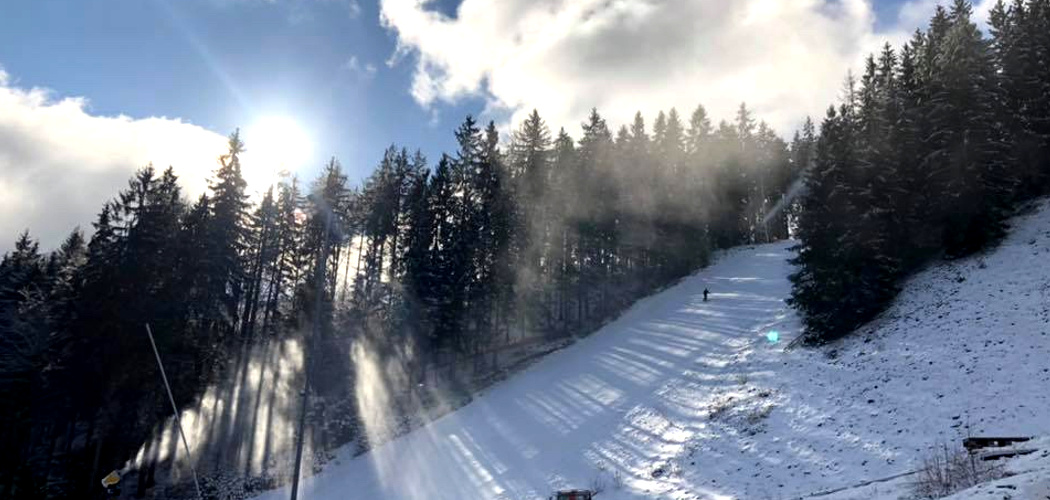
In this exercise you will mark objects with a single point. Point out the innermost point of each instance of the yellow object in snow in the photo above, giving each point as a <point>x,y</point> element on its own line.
<point>111,479</point>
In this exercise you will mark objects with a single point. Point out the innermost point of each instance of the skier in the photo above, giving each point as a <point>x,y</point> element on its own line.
<point>705,295</point>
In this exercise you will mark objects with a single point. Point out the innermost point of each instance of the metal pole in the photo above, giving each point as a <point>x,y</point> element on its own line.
<point>175,410</point>
<point>302,428</point>
<point>319,272</point>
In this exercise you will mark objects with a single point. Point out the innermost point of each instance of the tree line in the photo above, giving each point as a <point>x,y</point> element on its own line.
<point>533,236</point>
<point>926,157</point>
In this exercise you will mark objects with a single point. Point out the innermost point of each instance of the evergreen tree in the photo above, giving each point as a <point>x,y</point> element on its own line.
<point>445,294</point>
<point>227,234</point>
<point>818,282</point>
<point>967,150</point>
<point>419,277</point>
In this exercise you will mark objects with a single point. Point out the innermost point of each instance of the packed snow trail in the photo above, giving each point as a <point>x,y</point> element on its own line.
<point>623,402</point>
<point>685,399</point>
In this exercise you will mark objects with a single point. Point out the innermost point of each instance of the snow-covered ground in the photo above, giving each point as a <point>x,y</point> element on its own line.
<point>685,399</point>
<point>1029,478</point>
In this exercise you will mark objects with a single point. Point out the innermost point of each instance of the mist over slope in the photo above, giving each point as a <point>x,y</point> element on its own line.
<point>681,398</point>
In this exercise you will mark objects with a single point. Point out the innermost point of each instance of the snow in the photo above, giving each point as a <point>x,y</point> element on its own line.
<point>685,399</point>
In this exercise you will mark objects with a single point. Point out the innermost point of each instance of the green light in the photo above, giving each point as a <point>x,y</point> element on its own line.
<point>773,336</point>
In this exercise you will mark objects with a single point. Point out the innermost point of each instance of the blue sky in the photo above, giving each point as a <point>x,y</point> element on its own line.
<point>222,64</point>
<point>210,66</point>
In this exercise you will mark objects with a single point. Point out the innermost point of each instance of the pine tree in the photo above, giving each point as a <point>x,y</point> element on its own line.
<point>382,195</point>
<point>919,237</point>
<point>968,153</point>
<point>564,240</point>
<point>23,354</point>
<point>419,274</point>
<point>868,244</point>
<point>528,182</point>
<point>818,283</point>
<point>291,259</point>
<point>22,276</point>
<point>227,234</point>
<point>1019,44</point>
<point>445,293</point>
<point>639,238</point>
<point>263,256</point>
<point>802,152</point>
<point>326,216</point>
<point>493,291</point>
<point>596,226</point>
<point>698,179</point>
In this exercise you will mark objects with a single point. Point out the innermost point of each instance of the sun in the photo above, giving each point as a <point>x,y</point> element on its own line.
<point>275,144</point>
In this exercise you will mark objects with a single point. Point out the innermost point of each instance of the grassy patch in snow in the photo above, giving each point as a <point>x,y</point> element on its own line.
<point>947,470</point>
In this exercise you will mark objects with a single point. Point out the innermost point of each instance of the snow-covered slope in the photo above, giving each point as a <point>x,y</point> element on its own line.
<point>1028,478</point>
<point>681,398</point>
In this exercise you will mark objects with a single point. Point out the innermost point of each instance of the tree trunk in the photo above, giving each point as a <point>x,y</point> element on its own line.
<point>94,465</point>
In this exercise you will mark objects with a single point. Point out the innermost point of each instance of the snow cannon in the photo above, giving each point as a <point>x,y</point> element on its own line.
<point>573,495</point>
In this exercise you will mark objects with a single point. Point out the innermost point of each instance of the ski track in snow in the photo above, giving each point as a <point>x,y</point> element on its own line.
<point>685,399</point>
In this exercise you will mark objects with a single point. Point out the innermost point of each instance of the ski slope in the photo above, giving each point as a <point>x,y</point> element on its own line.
<point>685,399</point>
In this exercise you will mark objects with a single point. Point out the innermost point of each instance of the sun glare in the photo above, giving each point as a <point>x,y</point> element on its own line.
<point>274,144</point>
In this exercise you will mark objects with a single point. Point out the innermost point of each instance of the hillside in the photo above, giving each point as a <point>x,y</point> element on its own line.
<point>685,399</point>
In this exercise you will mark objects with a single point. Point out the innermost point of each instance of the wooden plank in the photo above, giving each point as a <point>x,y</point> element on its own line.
<point>996,455</point>
<point>977,443</point>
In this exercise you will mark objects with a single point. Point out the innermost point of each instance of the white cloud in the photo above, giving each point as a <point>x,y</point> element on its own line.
<point>363,71</point>
<point>785,58</point>
<point>355,9</point>
<point>59,163</point>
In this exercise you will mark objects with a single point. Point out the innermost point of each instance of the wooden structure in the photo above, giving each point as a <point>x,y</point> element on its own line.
<point>977,443</point>
<point>573,495</point>
<point>995,448</point>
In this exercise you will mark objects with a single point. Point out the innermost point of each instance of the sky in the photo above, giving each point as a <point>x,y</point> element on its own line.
<point>92,90</point>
